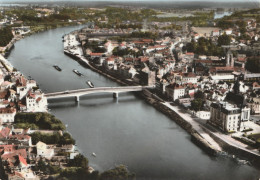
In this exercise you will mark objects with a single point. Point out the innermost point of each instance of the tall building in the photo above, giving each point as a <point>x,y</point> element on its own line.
<point>229,59</point>
<point>228,117</point>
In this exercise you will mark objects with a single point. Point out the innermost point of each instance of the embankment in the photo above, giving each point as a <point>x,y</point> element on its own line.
<point>155,102</point>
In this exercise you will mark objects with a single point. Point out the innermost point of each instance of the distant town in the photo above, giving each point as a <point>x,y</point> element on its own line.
<point>200,67</point>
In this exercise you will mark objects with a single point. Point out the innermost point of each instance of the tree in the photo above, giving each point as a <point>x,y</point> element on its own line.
<point>79,161</point>
<point>197,104</point>
<point>253,64</point>
<point>199,95</point>
<point>6,36</point>
<point>118,173</point>
<point>224,40</point>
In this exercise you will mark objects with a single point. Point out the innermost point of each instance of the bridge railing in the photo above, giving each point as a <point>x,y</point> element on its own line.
<point>98,90</point>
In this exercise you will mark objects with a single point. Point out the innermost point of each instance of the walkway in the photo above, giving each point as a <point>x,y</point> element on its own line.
<point>200,126</point>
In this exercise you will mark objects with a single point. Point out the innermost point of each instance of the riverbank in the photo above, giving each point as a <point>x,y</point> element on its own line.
<point>202,137</point>
<point>155,101</point>
<point>34,29</point>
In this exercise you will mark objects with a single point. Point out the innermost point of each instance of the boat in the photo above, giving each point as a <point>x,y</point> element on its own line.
<point>94,154</point>
<point>90,84</point>
<point>57,68</point>
<point>77,72</point>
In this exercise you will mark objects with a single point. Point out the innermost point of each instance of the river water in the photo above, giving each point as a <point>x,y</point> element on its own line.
<point>124,131</point>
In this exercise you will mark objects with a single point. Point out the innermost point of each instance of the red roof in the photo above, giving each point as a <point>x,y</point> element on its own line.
<point>7,110</point>
<point>110,59</point>
<point>38,99</point>
<point>96,54</point>
<point>190,53</point>
<point>30,94</point>
<point>3,94</point>
<point>20,137</point>
<point>4,133</point>
<point>7,147</point>
<point>22,160</point>
<point>21,152</point>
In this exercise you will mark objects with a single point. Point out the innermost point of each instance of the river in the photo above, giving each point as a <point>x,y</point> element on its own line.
<point>124,131</point>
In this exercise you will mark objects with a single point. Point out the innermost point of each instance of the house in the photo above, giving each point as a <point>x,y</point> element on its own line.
<point>7,115</point>
<point>228,31</point>
<point>228,117</point>
<point>254,105</point>
<point>215,33</point>
<point>5,132</point>
<point>109,63</point>
<point>43,151</point>
<point>189,77</point>
<point>36,101</point>
<point>203,114</point>
<point>175,91</point>
<point>68,148</point>
<point>25,139</point>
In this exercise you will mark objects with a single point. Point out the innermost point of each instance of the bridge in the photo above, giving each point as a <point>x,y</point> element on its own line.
<point>80,92</point>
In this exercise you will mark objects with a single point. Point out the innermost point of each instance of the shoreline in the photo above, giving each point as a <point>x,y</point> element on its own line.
<point>11,45</point>
<point>157,103</point>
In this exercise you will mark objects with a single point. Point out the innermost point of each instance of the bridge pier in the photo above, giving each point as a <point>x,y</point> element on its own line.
<point>77,98</point>
<point>115,95</point>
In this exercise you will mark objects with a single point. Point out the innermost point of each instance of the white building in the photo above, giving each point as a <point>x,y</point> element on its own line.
<point>175,91</point>
<point>43,151</point>
<point>36,102</point>
<point>203,114</point>
<point>189,78</point>
<point>7,115</point>
<point>228,117</point>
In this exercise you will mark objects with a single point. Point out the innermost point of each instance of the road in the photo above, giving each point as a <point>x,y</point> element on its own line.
<point>203,128</point>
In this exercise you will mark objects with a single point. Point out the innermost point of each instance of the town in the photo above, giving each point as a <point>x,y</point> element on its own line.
<point>205,70</point>
<point>211,72</point>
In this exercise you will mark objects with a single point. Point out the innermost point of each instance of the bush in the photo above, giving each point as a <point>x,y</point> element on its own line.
<point>56,138</point>
<point>78,161</point>
<point>38,121</point>
<point>6,36</point>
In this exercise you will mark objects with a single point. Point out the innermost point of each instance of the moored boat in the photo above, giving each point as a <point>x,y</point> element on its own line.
<point>57,68</point>
<point>90,84</point>
<point>77,72</point>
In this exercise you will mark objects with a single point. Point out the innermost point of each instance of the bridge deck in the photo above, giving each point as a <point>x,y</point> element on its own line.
<point>80,92</point>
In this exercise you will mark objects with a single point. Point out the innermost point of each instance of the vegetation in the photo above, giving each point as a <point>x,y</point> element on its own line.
<point>225,24</point>
<point>6,36</point>
<point>199,18</point>
<point>78,161</point>
<point>140,34</point>
<point>204,47</point>
<point>47,168</point>
<point>38,121</point>
<point>56,138</point>
<point>253,64</point>
<point>77,173</point>
<point>122,52</point>
<point>224,40</point>
<point>118,173</point>
<point>198,102</point>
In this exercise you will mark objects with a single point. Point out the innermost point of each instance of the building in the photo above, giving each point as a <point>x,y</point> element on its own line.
<point>43,151</point>
<point>175,91</point>
<point>36,102</point>
<point>229,59</point>
<point>7,115</point>
<point>228,117</point>
<point>189,78</point>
